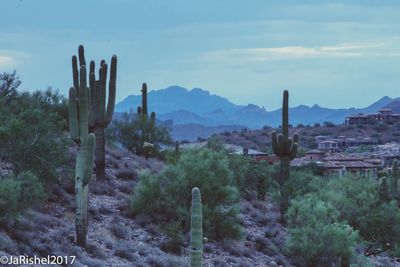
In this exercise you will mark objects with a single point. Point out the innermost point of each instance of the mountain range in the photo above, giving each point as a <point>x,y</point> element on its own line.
<point>199,107</point>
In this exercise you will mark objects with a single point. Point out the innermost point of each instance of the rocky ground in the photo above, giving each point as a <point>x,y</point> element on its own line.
<point>117,239</point>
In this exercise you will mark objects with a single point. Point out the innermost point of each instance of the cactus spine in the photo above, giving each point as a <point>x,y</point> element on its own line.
<point>196,232</point>
<point>394,180</point>
<point>285,148</point>
<point>79,131</point>
<point>100,114</point>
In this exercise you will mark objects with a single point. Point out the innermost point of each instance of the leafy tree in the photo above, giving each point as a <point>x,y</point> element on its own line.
<point>31,134</point>
<point>9,82</point>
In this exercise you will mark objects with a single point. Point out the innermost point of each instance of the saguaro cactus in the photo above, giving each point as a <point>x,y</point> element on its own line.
<point>100,114</point>
<point>144,99</point>
<point>79,131</point>
<point>394,180</point>
<point>147,124</point>
<point>285,148</point>
<point>196,232</point>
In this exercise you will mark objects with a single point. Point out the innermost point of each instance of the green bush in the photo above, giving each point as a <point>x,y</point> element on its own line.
<point>357,200</point>
<point>32,133</point>
<point>261,180</point>
<point>252,177</point>
<point>304,182</point>
<point>19,193</point>
<point>316,237</point>
<point>166,197</point>
<point>128,132</point>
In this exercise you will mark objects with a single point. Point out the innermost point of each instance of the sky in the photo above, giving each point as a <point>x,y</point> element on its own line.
<point>331,53</point>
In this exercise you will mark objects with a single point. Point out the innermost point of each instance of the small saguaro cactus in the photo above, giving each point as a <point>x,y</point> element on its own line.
<point>100,114</point>
<point>285,148</point>
<point>196,231</point>
<point>394,180</point>
<point>147,124</point>
<point>79,131</point>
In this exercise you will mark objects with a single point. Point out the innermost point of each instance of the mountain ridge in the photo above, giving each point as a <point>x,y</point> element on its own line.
<point>198,106</point>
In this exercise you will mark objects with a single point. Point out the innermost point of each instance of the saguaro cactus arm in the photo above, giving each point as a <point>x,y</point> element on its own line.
<point>196,232</point>
<point>100,112</point>
<point>282,145</point>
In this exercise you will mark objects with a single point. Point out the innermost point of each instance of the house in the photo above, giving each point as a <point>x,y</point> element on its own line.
<point>340,163</point>
<point>341,143</point>
<point>254,154</point>
<point>315,155</point>
<point>384,115</point>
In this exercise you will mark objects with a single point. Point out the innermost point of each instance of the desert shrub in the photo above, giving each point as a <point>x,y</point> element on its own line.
<point>128,132</point>
<point>357,200</point>
<point>125,250</point>
<point>20,192</point>
<point>31,133</point>
<point>252,177</point>
<point>313,168</point>
<point>302,183</point>
<point>166,196</point>
<point>329,124</point>
<point>381,127</point>
<point>240,167</point>
<point>214,143</point>
<point>261,178</point>
<point>119,229</point>
<point>316,237</point>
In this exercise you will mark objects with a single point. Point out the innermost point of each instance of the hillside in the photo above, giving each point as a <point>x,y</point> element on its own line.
<point>261,139</point>
<point>117,239</point>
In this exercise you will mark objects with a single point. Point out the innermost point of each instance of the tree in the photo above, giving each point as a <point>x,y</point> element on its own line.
<point>9,82</point>
<point>31,134</point>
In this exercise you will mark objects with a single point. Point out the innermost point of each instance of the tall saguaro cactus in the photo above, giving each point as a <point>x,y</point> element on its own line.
<point>394,180</point>
<point>196,232</point>
<point>285,148</point>
<point>79,131</point>
<point>100,113</point>
<point>147,124</point>
<point>144,99</point>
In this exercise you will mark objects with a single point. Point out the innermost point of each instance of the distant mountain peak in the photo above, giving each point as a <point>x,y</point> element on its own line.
<point>173,98</point>
<point>197,105</point>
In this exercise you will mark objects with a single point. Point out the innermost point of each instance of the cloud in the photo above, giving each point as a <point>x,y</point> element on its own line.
<point>344,50</point>
<point>10,59</point>
<point>6,61</point>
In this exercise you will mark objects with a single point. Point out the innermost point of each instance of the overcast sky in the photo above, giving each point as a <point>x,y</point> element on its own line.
<point>333,53</point>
